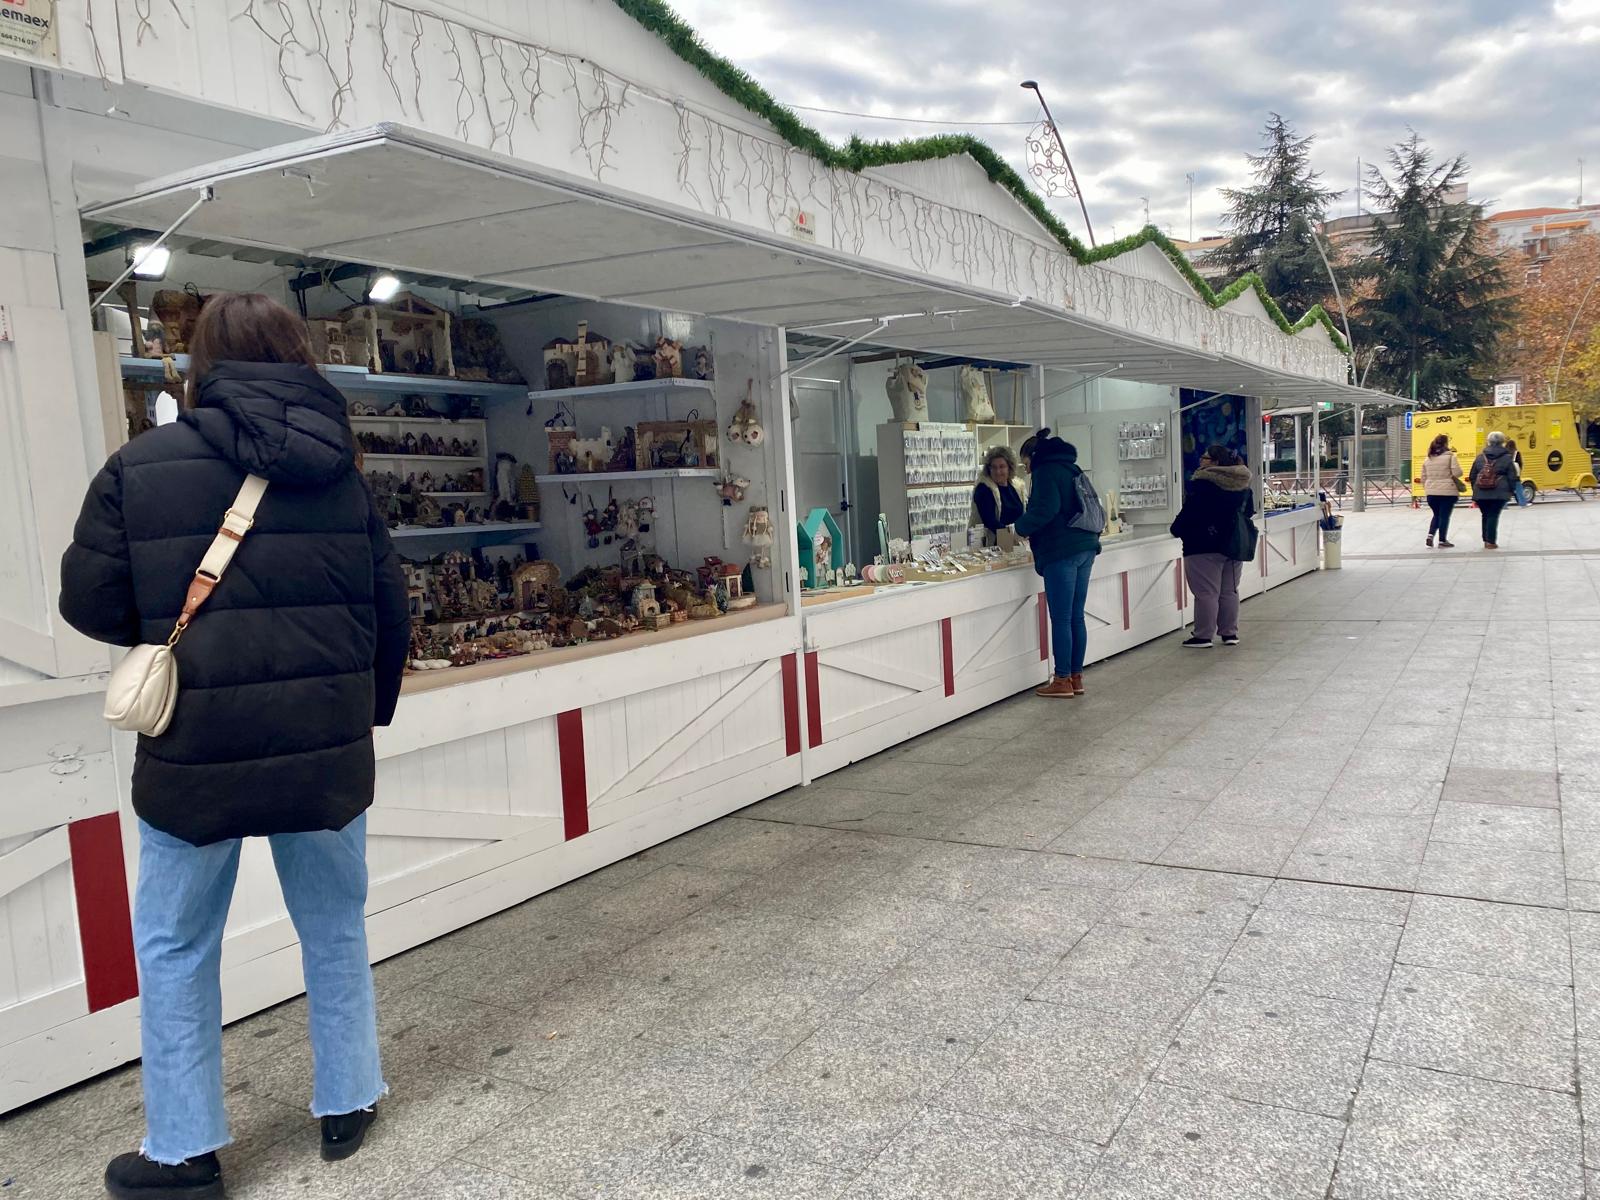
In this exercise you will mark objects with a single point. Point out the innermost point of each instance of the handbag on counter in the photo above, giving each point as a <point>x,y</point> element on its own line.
<point>143,690</point>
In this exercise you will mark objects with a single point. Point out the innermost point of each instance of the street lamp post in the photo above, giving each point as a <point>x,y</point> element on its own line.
<point>1049,120</point>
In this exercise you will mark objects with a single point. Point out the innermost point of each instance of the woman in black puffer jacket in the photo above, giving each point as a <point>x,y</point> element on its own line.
<point>283,674</point>
<point>1217,527</point>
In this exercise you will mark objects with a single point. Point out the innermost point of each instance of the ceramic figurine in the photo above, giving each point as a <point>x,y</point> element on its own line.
<point>628,520</point>
<point>527,494</point>
<point>621,363</point>
<point>647,513</point>
<point>560,364</point>
<point>758,535</point>
<point>746,425</point>
<point>975,400</point>
<point>623,457</point>
<point>592,454</point>
<point>505,480</point>
<point>669,359</point>
<point>908,392</point>
<point>591,526</point>
<point>703,368</point>
<point>731,487</point>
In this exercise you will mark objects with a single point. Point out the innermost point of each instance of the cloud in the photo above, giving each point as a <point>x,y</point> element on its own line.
<point>1147,91</point>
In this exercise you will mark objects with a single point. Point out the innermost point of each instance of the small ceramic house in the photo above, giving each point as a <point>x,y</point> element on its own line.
<point>643,601</point>
<point>531,584</point>
<point>821,547</point>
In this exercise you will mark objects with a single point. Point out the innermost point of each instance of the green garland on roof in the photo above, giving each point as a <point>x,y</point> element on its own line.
<point>858,156</point>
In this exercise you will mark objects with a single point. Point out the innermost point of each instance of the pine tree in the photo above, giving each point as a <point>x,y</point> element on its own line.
<point>1272,222</point>
<point>1436,297</point>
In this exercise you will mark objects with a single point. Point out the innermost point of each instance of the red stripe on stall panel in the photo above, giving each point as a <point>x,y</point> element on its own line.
<point>947,651</point>
<point>1178,574</point>
<point>1044,628</point>
<point>105,923</point>
<point>791,705</point>
<point>813,701</point>
<point>574,775</point>
<point>1127,612</point>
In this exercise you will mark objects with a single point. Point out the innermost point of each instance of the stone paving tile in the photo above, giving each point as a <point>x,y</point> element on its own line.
<point>1498,826</point>
<point>1131,827</point>
<point>1423,1135</point>
<point>1502,785</point>
<point>842,1095</point>
<point>951,1154</point>
<point>1239,849</point>
<point>1202,901</point>
<point>1344,903</point>
<point>463,1181</point>
<point>1072,1071</point>
<point>1367,836</point>
<point>1042,919</point>
<point>1509,1030</point>
<point>737,844</point>
<point>1263,805</point>
<point>1320,956</point>
<point>1517,876</point>
<point>1589,1098</point>
<point>955,989</point>
<point>1272,1046</point>
<point>1506,940</point>
<point>1184,1145</point>
<point>1022,824</point>
<point>710,1168</point>
<point>650,904</point>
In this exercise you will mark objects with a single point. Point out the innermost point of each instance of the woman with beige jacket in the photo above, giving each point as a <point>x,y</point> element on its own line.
<point>1441,483</point>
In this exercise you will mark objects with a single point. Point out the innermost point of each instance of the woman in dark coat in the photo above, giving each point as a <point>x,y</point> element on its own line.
<point>1494,485</point>
<point>1063,554</point>
<point>1000,496</point>
<point>283,673</point>
<point>1218,534</point>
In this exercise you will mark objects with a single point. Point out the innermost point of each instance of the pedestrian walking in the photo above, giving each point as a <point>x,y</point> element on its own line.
<point>1494,479</point>
<point>1217,527</point>
<point>1000,496</point>
<point>283,672</point>
<point>1518,492</point>
<point>1063,520</point>
<point>1442,485</point>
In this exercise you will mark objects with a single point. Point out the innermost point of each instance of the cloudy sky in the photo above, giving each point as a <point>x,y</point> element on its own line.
<point>1147,91</point>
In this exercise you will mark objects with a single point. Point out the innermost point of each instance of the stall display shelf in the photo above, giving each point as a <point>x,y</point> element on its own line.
<point>419,422</point>
<point>484,530</point>
<point>357,379</point>
<point>462,492</point>
<point>426,458</point>
<point>623,476</point>
<point>641,387</point>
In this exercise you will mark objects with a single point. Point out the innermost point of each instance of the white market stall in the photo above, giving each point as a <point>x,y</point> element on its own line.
<point>504,779</point>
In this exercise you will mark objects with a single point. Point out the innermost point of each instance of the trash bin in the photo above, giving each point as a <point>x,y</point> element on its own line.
<point>1332,546</point>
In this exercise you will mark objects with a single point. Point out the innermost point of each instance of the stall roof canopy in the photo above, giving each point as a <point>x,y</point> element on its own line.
<point>413,202</point>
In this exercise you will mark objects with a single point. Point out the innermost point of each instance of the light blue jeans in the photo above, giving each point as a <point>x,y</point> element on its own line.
<point>1066,591</point>
<point>183,897</point>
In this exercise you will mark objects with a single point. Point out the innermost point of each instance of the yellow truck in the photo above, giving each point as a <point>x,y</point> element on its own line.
<point>1549,443</point>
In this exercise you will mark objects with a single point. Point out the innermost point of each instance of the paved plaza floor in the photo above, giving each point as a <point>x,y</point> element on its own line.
<point>1318,916</point>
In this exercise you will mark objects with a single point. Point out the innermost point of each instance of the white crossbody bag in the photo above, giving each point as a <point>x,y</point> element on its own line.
<point>143,691</point>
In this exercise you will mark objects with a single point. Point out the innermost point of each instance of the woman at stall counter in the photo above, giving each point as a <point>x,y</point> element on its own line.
<point>284,673</point>
<point>1494,480</point>
<point>1442,485</point>
<point>1063,554</point>
<point>1217,527</point>
<point>1000,496</point>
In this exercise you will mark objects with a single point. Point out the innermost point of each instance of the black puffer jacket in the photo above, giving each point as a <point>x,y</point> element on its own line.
<point>299,651</point>
<point>1216,514</point>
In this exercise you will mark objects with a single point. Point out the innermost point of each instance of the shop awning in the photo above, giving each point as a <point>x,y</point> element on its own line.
<point>410,201</point>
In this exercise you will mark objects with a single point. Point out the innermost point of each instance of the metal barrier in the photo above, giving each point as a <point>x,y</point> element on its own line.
<point>1387,489</point>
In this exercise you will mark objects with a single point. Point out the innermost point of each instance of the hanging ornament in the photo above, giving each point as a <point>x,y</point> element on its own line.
<point>731,488</point>
<point>758,535</point>
<point>746,425</point>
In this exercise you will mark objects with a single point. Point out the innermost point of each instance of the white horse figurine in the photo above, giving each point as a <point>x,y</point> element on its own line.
<point>975,401</point>
<point>907,386</point>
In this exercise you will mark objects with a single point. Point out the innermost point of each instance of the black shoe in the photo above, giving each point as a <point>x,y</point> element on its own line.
<point>1197,643</point>
<point>1231,641</point>
<point>342,1135</point>
<point>135,1177</point>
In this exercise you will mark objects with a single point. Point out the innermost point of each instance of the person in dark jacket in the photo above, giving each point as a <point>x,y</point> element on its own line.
<point>1000,495</point>
<point>283,673</point>
<point>1063,554</point>
<point>1216,526</point>
<point>1494,482</point>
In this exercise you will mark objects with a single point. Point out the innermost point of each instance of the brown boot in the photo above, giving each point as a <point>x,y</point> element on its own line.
<point>1059,688</point>
<point>1077,684</point>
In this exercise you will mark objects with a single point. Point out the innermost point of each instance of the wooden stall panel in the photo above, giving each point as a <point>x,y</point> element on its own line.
<point>862,683</point>
<point>658,746</point>
<point>996,643</point>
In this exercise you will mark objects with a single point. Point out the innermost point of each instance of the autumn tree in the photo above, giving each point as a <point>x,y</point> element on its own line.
<point>1272,222</point>
<point>1435,298</point>
<point>1555,300</point>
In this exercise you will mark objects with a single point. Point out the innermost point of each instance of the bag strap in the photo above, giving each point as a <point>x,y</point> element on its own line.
<point>236,522</point>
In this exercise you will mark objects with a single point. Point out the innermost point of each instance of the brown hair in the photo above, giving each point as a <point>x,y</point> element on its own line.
<point>244,327</point>
<point>1220,455</point>
<point>1439,445</point>
<point>999,452</point>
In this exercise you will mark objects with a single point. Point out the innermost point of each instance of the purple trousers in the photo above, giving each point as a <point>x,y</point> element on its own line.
<point>1214,580</point>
